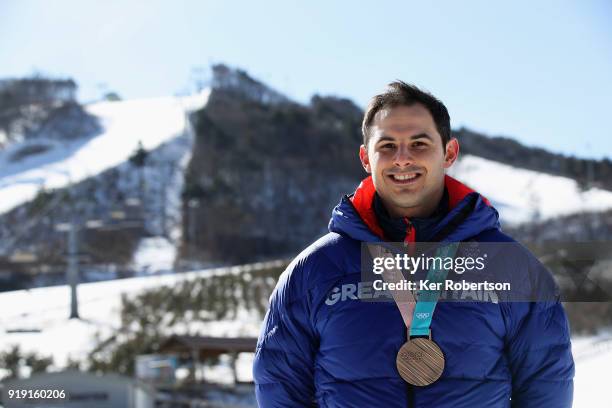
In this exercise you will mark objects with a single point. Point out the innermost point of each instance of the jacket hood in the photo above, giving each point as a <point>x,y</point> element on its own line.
<point>354,215</point>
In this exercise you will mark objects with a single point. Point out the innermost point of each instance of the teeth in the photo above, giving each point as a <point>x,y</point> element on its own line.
<point>401,177</point>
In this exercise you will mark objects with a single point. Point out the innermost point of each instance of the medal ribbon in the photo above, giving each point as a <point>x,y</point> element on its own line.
<point>417,316</point>
<point>404,299</point>
<point>427,299</point>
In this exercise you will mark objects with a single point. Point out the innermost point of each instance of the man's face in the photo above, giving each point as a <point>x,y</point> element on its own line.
<point>407,160</point>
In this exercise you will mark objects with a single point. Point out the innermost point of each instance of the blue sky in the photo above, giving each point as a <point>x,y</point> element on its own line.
<point>535,71</point>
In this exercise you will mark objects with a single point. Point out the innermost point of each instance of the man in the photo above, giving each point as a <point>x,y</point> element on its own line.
<point>321,345</point>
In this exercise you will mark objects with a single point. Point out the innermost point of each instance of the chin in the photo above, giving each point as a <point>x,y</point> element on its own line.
<point>412,194</point>
<point>407,205</point>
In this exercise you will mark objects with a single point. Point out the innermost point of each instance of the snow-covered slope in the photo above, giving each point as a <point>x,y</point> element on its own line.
<point>125,124</point>
<point>26,312</point>
<point>46,309</point>
<point>522,195</point>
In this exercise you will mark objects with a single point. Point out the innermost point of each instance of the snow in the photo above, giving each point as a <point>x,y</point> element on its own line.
<point>125,124</point>
<point>154,255</point>
<point>522,195</point>
<point>47,309</point>
<point>593,356</point>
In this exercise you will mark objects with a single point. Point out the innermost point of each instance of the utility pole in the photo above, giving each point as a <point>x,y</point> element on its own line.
<point>167,171</point>
<point>73,268</point>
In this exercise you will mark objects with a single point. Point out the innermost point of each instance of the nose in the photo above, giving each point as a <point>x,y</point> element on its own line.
<point>403,156</point>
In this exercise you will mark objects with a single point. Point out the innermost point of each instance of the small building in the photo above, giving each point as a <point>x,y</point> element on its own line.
<point>156,369</point>
<point>199,348</point>
<point>81,390</point>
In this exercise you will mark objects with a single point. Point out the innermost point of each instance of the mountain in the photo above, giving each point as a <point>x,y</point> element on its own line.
<point>588,173</point>
<point>270,172</point>
<point>264,175</point>
<point>120,186</point>
<point>31,108</point>
<point>526,196</point>
<point>233,174</point>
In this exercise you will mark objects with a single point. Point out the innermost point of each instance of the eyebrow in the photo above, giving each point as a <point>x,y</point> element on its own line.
<point>385,138</point>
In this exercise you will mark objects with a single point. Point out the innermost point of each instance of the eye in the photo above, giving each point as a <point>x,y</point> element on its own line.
<point>419,144</point>
<point>387,146</point>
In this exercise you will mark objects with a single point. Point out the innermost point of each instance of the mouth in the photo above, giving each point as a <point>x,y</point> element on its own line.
<point>405,178</point>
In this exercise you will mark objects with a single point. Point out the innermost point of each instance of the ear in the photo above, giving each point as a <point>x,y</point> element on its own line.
<point>452,152</point>
<point>365,160</point>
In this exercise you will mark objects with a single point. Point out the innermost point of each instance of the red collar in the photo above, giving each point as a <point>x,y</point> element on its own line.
<point>364,196</point>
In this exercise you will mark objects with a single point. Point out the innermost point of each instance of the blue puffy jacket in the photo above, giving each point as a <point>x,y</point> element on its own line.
<point>321,346</point>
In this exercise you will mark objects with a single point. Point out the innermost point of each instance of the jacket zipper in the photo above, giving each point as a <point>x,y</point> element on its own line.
<point>409,241</point>
<point>410,232</point>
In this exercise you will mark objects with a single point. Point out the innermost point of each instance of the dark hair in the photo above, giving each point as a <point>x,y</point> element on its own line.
<point>399,93</point>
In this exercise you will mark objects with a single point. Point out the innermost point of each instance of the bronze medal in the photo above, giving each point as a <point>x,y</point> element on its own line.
<point>420,362</point>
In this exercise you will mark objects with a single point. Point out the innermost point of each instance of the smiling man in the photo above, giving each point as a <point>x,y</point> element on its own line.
<point>321,345</point>
<point>407,156</point>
